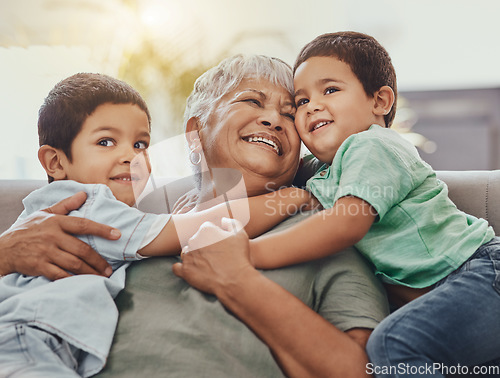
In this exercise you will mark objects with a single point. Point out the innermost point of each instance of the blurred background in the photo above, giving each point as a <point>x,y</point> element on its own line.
<point>445,53</point>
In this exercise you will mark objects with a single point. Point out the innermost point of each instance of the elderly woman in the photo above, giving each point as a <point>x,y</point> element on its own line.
<point>310,319</point>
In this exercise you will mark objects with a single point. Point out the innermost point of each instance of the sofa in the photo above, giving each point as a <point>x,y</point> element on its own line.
<point>475,192</point>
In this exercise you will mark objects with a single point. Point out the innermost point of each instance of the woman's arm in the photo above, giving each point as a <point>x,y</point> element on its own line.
<point>268,210</point>
<point>259,214</point>
<point>322,234</point>
<point>42,244</point>
<point>303,343</point>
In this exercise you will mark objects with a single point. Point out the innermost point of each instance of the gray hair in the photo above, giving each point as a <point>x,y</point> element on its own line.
<point>210,87</point>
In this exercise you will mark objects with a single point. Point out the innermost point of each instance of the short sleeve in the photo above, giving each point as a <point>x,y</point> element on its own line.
<point>134,225</point>
<point>379,171</point>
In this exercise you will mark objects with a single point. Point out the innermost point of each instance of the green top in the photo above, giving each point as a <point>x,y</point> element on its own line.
<point>419,236</point>
<point>169,329</point>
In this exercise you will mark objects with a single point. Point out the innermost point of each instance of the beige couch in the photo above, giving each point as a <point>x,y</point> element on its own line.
<point>475,192</point>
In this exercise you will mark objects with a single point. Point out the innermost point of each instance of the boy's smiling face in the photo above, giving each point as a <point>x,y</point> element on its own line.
<point>331,105</point>
<point>104,149</point>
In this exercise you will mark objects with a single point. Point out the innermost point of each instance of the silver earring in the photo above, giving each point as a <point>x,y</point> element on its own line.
<point>194,157</point>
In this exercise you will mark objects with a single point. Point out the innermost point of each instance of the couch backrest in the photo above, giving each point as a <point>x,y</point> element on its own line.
<point>475,192</point>
<point>12,193</point>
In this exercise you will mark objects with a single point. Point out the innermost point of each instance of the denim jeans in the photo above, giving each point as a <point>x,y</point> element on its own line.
<point>33,353</point>
<point>452,330</point>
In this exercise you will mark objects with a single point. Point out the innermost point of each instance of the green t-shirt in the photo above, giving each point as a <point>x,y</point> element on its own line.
<point>419,236</point>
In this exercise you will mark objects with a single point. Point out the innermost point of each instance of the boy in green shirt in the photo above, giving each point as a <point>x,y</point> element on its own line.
<point>380,196</point>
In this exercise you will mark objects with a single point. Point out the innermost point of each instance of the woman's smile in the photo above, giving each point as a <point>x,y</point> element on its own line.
<point>265,141</point>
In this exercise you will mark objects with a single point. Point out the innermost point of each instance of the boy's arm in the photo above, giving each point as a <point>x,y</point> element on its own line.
<point>259,213</point>
<point>322,234</point>
<point>268,210</point>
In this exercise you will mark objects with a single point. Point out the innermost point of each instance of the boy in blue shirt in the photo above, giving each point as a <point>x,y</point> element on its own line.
<point>380,196</point>
<point>94,131</point>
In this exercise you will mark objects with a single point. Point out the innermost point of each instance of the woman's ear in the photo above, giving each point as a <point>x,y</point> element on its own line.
<point>52,161</point>
<point>384,100</point>
<point>192,131</point>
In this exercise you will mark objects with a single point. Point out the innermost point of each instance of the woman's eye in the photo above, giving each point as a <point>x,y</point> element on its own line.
<point>253,101</point>
<point>106,142</point>
<point>330,90</point>
<point>301,102</point>
<point>141,145</point>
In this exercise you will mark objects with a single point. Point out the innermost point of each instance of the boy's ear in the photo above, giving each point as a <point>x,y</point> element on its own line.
<point>384,100</point>
<point>51,159</point>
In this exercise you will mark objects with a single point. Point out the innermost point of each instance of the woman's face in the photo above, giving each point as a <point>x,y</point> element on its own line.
<point>252,130</point>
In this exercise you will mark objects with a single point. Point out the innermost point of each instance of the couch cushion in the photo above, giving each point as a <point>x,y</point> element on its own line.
<point>476,193</point>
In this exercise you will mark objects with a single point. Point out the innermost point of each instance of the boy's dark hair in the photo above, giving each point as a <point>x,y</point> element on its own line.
<point>75,98</point>
<point>368,60</point>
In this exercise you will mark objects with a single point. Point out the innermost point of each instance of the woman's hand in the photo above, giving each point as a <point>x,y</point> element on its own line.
<point>215,257</point>
<point>41,245</point>
<point>276,316</point>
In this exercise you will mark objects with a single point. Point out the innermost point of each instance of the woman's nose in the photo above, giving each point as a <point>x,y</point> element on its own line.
<point>272,119</point>
<point>270,125</point>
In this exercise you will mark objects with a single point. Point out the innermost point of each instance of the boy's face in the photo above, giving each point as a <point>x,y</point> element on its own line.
<point>104,149</point>
<point>331,105</point>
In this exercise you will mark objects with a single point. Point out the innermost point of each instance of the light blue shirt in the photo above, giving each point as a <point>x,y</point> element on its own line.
<point>80,309</point>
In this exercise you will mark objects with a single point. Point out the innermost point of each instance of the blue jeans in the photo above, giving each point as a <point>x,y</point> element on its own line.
<point>453,329</point>
<point>30,352</point>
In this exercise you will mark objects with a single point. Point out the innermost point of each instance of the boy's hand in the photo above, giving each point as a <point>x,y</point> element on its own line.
<point>312,204</point>
<point>42,244</point>
<point>298,198</point>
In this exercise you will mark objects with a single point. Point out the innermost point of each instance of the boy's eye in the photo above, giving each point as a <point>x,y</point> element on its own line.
<point>289,115</point>
<point>302,101</point>
<point>141,145</point>
<point>330,90</point>
<point>106,142</point>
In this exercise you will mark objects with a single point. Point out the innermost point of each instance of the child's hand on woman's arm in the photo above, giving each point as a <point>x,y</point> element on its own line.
<point>312,203</point>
